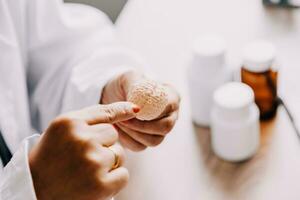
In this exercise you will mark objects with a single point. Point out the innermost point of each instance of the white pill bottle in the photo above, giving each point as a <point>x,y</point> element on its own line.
<point>235,132</point>
<point>206,72</point>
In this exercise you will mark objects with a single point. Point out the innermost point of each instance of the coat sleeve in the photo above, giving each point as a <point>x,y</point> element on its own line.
<point>15,179</point>
<point>72,53</point>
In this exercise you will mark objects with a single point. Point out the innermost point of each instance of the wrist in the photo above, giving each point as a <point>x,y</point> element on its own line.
<point>35,167</point>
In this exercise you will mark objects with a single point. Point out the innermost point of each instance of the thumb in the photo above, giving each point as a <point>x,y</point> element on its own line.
<point>110,113</point>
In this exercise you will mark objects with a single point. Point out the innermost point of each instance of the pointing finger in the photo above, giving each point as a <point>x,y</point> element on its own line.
<point>110,113</point>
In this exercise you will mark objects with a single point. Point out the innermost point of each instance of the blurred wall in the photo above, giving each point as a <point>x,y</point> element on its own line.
<point>111,7</point>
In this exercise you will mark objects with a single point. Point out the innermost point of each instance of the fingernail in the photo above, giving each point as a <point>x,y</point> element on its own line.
<point>136,109</point>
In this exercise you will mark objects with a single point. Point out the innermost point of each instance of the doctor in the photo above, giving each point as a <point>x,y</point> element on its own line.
<point>57,59</point>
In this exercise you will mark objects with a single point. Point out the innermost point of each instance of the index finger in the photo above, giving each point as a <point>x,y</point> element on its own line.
<point>110,113</point>
<point>156,127</point>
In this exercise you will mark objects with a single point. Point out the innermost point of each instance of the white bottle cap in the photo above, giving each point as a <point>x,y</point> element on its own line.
<point>209,52</point>
<point>259,56</point>
<point>233,100</point>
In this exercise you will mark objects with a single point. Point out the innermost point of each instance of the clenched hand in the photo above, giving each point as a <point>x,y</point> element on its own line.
<point>135,134</point>
<point>76,156</point>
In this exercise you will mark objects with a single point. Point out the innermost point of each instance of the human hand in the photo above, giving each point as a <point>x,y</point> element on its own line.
<point>77,157</point>
<point>135,134</point>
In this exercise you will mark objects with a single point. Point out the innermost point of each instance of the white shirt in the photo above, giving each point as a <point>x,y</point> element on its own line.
<point>54,57</point>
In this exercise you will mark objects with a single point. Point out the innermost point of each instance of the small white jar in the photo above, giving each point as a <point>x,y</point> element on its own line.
<point>235,122</point>
<point>207,71</point>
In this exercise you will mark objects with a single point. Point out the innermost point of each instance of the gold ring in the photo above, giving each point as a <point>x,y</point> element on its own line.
<point>117,159</point>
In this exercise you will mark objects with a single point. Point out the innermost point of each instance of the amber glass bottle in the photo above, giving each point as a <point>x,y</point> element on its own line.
<point>257,72</point>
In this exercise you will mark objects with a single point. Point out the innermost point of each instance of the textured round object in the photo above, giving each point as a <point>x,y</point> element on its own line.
<point>151,97</point>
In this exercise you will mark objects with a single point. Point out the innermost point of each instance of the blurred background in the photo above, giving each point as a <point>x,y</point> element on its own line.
<point>111,7</point>
<point>184,166</point>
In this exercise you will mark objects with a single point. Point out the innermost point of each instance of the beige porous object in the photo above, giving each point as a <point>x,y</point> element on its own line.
<point>151,97</point>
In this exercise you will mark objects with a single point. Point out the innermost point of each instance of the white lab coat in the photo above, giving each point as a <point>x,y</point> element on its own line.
<point>54,57</point>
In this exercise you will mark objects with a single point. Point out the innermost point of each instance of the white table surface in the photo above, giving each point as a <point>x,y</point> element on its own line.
<point>184,167</point>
